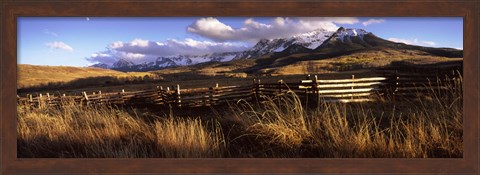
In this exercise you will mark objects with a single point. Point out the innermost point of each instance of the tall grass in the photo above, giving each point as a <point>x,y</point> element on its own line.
<point>420,128</point>
<point>281,126</point>
<point>103,131</point>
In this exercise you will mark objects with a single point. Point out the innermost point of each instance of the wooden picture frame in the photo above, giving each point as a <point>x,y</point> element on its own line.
<point>469,10</point>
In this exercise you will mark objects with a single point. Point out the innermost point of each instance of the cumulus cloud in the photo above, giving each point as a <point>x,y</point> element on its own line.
<point>140,50</point>
<point>253,30</point>
<point>414,41</point>
<point>373,21</point>
<point>59,45</point>
<point>224,38</point>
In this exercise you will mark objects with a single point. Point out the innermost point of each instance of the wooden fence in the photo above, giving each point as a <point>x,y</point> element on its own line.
<point>312,88</point>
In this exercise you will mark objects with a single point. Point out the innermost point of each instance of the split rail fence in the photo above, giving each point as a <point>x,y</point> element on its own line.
<point>312,88</point>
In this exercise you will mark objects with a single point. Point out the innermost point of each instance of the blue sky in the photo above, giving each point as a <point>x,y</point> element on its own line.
<point>82,41</point>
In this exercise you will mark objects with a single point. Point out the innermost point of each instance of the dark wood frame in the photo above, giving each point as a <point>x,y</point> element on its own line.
<point>10,164</point>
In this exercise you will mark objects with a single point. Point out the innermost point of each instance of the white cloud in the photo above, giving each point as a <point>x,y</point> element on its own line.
<point>253,30</point>
<point>140,51</point>
<point>139,43</point>
<point>211,28</point>
<point>48,32</point>
<point>414,41</point>
<point>59,45</point>
<point>337,20</point>
<point>373,21</point>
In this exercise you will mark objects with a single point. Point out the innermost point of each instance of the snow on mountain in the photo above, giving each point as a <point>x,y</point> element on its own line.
<point>310,40</point>
<point>185,60</point>
<point>343,34</point>
<point>263,47</point>
<point>123,63</point>
<point>295,44</point>
<point>164,62</point>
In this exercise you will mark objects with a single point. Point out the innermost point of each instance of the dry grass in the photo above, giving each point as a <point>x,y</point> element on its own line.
<point>359,60</point>
<point>280,126</point>
<point>31,75</point>
<point>101,131</point>
<point>429,127</point>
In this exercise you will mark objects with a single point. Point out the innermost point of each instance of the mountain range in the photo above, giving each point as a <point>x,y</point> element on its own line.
<point>323,42</point>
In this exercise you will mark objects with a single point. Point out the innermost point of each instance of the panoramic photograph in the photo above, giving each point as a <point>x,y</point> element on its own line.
<point>239,87</point>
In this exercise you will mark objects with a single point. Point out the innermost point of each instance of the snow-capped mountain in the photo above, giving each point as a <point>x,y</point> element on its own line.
<point>169,61</point>
<point>123,63</point>
<point>344,35</point>
<point>310,40</point>
<point>184,60</point>
<point>352,39</point>
<point>314,41</point>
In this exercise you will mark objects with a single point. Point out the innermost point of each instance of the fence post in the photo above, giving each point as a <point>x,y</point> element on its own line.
<point>353,83</point>
<point>85,96</point>
<point>215,92</point>
<point>40,100</point>
<point>280,83</point>
<point>210,96</point>
<point>100,97</point>
<point>259,90</point>
<point>47,101</point>
<point>306,91</point>
<point>179,99</point>
<point>122,93</point>
<point>395,85</point>
<point>316,89</point>
<point>454,81</point>
<point>254,89</point>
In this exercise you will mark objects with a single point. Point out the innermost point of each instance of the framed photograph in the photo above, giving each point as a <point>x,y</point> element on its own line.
<point>239,87</point>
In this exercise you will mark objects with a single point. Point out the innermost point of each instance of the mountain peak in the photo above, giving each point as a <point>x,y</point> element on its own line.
<point>344,34</point>
<point>123,63</point>
<point>301,42</point>
<point>100,65</point>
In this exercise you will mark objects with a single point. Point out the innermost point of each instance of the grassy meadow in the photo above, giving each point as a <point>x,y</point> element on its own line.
<point>277,127</point>
<point>42,77</point>
<point>361,60</point>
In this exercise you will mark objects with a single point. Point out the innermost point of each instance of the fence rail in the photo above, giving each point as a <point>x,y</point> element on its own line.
<point>312,88</point>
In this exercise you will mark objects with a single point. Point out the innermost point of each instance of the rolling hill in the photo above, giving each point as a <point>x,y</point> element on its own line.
<point>33,75</point>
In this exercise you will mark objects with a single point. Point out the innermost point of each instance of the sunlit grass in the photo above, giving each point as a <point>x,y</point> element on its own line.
<point>102,131</point>
<point>281,126</point>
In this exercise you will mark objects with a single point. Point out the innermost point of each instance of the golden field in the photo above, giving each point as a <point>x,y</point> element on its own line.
<point>277,127</point>
<point>32,75</point>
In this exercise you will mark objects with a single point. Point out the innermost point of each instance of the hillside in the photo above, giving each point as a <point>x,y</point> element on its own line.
<point>349,49</point>
<point>33,75</point>
<point>359,60</point>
